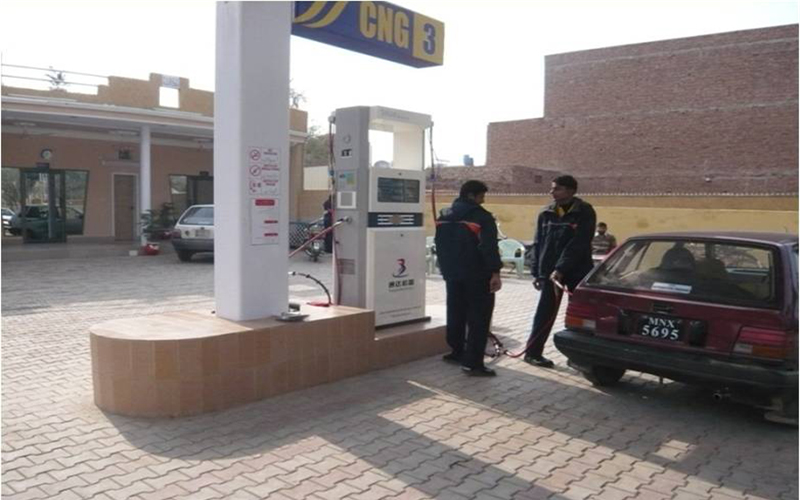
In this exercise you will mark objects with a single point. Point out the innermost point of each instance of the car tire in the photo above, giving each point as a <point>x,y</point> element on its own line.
<point>787,415</point>
<point>185,255</point>
<point>604,376</point>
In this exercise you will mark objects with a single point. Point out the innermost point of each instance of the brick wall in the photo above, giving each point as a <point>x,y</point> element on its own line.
<point>499,179</point>
<point>714,113</point>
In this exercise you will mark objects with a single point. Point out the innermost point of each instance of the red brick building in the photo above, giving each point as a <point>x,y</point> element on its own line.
<point>712,114</point>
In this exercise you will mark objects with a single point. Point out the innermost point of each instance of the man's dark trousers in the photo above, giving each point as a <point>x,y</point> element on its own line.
<point>469,313</point>
<point>544,318</point>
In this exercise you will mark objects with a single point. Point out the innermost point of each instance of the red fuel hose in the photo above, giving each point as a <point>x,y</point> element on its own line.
<point>559,289</point>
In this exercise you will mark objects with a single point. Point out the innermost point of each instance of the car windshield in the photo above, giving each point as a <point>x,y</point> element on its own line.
<point>39,212</point>
<point>729,273</point>
<point>198,216</point>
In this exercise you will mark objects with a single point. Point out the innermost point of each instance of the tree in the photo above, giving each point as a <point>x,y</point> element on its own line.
<point>57,79</point>
<point>10,191</point>
<point>295,97</point>
<point>316,149</point>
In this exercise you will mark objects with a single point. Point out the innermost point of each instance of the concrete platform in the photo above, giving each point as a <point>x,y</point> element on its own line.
<point>190,362</point>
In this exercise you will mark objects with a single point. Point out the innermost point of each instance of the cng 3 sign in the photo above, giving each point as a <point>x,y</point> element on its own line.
<point>379,29</point>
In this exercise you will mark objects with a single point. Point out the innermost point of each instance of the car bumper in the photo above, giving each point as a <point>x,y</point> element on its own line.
<point>193,244</point>
<point>584,350</point>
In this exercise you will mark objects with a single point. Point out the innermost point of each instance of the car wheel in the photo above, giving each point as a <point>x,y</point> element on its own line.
<point>185,255</point>
<point>602,376</point>
<point>787,415</point>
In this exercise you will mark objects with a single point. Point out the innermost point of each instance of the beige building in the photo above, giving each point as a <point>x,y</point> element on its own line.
<point>107,151</point>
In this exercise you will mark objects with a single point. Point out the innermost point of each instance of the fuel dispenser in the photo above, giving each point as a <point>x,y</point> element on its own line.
<point>379,257</point>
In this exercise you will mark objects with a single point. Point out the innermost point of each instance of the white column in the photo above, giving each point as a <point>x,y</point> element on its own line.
<point>144,178</point>
<point>251,111</point>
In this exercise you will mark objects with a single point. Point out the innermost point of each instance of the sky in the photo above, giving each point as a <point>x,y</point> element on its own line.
<point>493,60</point>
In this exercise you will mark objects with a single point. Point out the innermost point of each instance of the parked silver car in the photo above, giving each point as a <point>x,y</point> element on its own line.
<point>194,232</point>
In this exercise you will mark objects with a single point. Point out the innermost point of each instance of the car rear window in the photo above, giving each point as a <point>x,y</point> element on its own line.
<point>728,273</point>
<point>198,216</point>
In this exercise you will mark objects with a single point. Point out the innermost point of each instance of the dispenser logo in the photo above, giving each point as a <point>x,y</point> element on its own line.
<point>401,272</point>
<point>401,269</point>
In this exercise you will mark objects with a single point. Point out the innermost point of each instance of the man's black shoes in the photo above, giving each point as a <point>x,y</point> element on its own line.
<point>481,371</point>
<point>452,358</point>
<point>540,361</point>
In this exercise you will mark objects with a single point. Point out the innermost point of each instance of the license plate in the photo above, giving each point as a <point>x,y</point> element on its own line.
<point>661,327</point>
<point>202,233</point>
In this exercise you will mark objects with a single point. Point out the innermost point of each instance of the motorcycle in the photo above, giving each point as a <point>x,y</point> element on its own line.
<point>316,247</point>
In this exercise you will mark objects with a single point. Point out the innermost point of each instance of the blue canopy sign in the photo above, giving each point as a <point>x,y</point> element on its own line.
<point>379,29</point>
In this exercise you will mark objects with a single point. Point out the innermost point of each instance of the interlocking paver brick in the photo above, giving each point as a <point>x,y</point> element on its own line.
<point>302,490</point>
<point>31,494</point>
<point>411,494</point>
<point>375,492</point>
<point>299,475</point>
<point>558,480</point>
<point>31,482</point>
<point>612,493</point>
<point>720,496</point>
<point>578,492</point>
<point>198,483</point>
<point>507,488</point>
<point>592,481</point>
<point>542,467</point>
<point>139,474</point>
<point>165,493</point>
<point>434,485</point>
<point>341,490</point>
<point>647,492</point>
<point>54,489</point>
<point>131,491</point>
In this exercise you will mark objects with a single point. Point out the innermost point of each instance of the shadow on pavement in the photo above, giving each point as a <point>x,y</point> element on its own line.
<point>672,425</point>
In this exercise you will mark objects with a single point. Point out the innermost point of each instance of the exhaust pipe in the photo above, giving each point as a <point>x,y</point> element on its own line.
<point>721,395</point>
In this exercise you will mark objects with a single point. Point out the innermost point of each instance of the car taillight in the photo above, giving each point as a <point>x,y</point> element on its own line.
<point>176,233</point>
<point>763,343</point>
<point>581,316</point>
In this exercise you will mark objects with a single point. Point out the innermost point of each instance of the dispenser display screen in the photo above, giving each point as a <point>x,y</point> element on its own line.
<point>392,190</point>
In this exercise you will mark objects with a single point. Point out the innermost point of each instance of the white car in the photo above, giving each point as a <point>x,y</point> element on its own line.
<point>194,232</point>
<point>9,221</point>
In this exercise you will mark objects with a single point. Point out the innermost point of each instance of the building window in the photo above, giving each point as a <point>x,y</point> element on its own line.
<point>77,182</point>
<point>10,189</point>
<point>177,190</point>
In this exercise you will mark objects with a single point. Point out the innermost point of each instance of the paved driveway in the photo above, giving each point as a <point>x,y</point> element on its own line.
<point>421,430</point>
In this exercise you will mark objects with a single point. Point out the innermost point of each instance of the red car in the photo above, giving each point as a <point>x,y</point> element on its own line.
<point>712,309</point>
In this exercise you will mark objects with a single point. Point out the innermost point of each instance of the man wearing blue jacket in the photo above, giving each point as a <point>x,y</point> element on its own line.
<point>562,253</point>
<point>468,256</point>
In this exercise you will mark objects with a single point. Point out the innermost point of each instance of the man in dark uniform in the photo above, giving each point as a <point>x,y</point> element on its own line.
<point>468,256</point>
<point>327,221</point>
<point>562,252</point>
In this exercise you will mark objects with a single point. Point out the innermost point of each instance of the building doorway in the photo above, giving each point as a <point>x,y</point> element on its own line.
<point>124,207</point>
<point>43,208</point>
<point>200,190</point>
